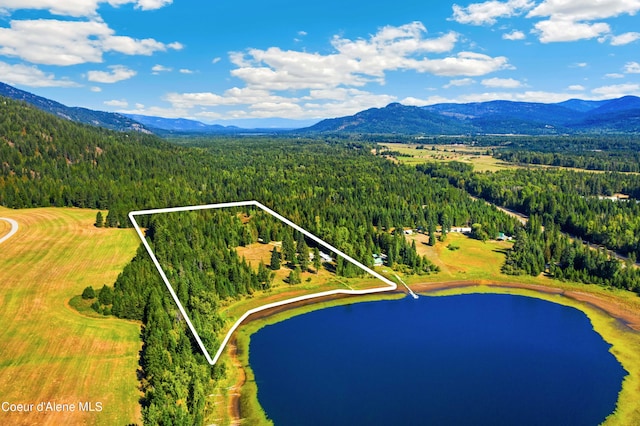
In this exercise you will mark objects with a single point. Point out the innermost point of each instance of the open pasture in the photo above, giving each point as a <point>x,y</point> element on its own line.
<point>50,352</point>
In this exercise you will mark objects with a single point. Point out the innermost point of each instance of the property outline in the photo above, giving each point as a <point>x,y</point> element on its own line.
<point>390,285</point>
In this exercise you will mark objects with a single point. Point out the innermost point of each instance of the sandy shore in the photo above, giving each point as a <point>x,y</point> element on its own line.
<point>610,304</point>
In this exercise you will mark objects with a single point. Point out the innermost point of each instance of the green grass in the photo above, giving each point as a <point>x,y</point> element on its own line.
<point>447,153</point>
<point>50,351</point>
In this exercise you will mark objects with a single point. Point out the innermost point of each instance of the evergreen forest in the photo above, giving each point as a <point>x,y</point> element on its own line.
<point>333,187</point>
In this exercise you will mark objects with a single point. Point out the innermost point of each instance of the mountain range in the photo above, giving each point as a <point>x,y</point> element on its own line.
<point>109,120</point>
<point>574,116</point>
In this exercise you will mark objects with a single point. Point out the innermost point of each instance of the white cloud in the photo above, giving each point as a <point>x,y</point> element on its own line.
<point>625,38</point>
<point>464,63</point>
<point>233,96</point>
<point>580,65</point>
<point>157,111</point>
<point>557,30</point>
<point>358,62</point>
<point>576,87</point>
<point>487,12</point>
<point>78,8</point>
<point>116,73</point>
<point>186,71</point>
<point>505,83</point>
<point>157,69</point>
<point>117,103</point>
<point>332,83</point>
<point>216,60</point>
<point>573,20</point>
<point>459,82</point>
<point>96,89</point>
<point>614,75</point>
<point>527,96</point>
<point>54,42</point>
<point>514,35</point>
<point>411,101</point>
<point>584,10</point>
<point>632,68</point>
<point>617,90</point>
<point>31,76</point>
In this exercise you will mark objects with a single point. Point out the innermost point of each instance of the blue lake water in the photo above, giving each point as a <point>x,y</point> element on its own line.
<point>480,359</point>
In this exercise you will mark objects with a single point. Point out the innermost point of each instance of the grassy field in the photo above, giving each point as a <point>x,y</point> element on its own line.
<point>5,227</point>
<point>50,352</point>
<point>324,280</point>
<point>447,153</point>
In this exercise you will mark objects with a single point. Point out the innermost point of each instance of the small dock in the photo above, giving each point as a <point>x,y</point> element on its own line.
<point>415,296</point>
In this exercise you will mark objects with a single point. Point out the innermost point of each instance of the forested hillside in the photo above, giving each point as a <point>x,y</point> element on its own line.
<point>339,192</point>
<point>577,203</point>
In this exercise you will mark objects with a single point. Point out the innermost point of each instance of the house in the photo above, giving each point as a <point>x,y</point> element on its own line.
<point>325,257</point>
<point>503,237</point>
<point>378,259</point>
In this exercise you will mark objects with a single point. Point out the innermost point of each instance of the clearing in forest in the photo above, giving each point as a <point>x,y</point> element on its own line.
<point>224,262</point>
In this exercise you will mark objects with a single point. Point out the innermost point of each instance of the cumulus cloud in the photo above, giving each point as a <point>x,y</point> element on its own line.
<point>157,69</point>
<point>333,83</point>
<point>616,90</point>
<point>78,8</point>
<point>186,71</point>
<point>359,62</point>
<point>487,12</point>
<point>117,103</point>
<point>54,42</point>
<point>623,39</point>
<point>31,76</point>
<point>116,73</point>
<point>514,35</point>
<point>584,10</point>
<point>459,82</point>
<point>505,83</point>
<point>557,30</point>
<point>632,68</point>
<point>576,87</point>
<point>572,20</point>
<point>527,96</point>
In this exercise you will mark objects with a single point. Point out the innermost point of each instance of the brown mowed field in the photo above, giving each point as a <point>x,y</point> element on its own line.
<point>50,352</point>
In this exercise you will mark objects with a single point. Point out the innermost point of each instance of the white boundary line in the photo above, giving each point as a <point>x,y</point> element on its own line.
<point>14,229</point>
<point>390,285</point>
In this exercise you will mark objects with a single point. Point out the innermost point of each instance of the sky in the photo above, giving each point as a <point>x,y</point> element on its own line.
<point>246,61</point>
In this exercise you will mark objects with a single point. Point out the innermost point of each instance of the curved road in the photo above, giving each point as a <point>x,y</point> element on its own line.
<point>14,229</point>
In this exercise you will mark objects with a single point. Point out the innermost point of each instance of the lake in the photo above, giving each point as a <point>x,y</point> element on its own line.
<point>478,359</point>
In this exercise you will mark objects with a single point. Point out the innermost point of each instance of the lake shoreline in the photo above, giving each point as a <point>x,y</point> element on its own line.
<point>610,305</point>
<point>612,308</point>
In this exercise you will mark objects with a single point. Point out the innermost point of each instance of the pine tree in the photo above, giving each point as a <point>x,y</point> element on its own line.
<point>275,259</point>
<point>317,261</point>
<point>99,220</point>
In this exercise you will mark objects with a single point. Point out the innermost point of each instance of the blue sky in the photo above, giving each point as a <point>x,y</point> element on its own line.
<point>227,62</point>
